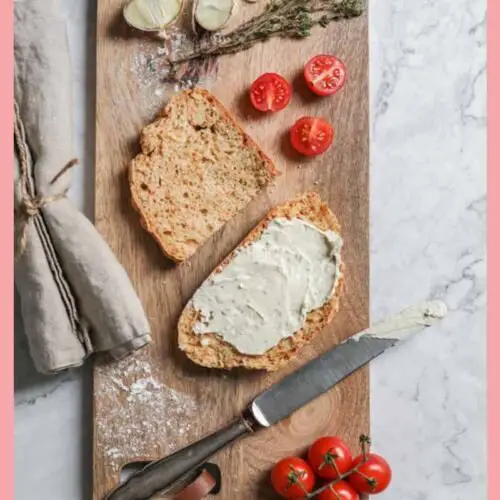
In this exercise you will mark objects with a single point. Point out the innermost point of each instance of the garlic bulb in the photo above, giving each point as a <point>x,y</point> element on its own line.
<point>151,15</point>
<point>213,15</point>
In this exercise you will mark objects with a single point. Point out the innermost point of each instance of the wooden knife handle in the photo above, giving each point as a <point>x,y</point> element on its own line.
<point>160,476</point>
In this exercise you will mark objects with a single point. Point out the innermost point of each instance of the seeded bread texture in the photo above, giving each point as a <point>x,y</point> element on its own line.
<point>210,350</point>
<point>197,169</point>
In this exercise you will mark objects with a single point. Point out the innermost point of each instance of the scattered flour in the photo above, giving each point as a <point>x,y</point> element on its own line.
<point>156,80</point>
<point>136,414</point>
<point>113,453</point>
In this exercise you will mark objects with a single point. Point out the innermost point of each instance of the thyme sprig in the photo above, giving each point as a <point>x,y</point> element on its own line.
<point>280,18</point>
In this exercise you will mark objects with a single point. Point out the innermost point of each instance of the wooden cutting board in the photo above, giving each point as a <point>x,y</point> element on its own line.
<point>156,401</point>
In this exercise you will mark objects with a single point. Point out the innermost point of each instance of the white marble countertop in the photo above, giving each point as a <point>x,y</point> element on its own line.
<point>428,201</point>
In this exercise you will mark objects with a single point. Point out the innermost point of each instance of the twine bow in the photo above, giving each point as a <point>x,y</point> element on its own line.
<point>30,204</point>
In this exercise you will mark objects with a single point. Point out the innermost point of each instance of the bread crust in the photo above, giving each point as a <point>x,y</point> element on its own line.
<point>176,243</point>
<point>219,353</point>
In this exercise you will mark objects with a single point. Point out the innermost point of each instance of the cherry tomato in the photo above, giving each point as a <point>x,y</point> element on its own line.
<point>373,476</point>
<point>311,136</point>
<point>325,75</point>
<point>328,456</point>
<point>292,477</point>
<point>339,491</point>
<point>270,92</point>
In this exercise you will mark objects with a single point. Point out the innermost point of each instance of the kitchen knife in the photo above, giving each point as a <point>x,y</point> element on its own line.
<point>282,399</point>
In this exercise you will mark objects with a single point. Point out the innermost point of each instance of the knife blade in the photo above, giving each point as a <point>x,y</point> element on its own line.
<point>282,399</point>
<point>323,373</point>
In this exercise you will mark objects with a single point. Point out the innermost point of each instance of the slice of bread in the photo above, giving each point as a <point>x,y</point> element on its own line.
<point>197,169</point>
<point>212,351</point>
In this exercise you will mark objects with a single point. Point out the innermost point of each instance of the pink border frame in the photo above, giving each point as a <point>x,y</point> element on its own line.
<point>6,252</point>
<point>493,274</point>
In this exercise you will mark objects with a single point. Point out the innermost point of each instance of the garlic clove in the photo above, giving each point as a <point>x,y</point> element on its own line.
<point>151,15</point>
<point>213,15</point>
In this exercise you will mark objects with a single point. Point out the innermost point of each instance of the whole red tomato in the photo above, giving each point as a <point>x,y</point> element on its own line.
<point>329,456</point>
<point>373,476</point>
<point>292,477</point>
<point>339,491</point>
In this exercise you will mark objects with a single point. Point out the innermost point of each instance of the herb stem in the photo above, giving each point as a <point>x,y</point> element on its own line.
<point>280,18</point>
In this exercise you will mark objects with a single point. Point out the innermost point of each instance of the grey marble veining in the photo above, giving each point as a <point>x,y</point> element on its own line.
<point>428,200</point>
<point>428,223</point>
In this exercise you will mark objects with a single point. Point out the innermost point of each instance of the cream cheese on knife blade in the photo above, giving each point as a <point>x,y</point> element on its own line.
<point>265,293</point>
<point>407,322</point>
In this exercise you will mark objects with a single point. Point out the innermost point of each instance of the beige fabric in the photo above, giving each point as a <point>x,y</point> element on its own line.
<point>75,296</point>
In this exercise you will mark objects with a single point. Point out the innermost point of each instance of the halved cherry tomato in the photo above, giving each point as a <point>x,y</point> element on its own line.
<point>270,92</point>
<point>311,136</point>
<point>339,491</point>
<point>329,456</point>
<point>373,476</point>
<point>325,75</point>
<point>292,477</point>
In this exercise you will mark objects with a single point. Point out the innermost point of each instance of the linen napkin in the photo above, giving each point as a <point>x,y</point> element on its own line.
<point>75,296</point>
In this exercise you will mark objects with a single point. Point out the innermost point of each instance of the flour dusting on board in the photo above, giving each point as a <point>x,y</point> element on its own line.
<point>157,81</point>
<point>137,414</point>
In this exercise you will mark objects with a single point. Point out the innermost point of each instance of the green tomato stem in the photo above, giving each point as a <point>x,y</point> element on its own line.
<point>363,441</point>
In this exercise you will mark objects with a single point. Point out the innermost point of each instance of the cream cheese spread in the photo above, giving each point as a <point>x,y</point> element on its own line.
<point>266,291</point>
<point>407,322</point>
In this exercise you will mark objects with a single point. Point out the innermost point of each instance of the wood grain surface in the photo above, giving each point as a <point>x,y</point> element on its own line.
<point>157,401</point>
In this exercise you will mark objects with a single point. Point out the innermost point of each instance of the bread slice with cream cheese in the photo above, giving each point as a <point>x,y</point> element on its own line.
<point>211,350</point>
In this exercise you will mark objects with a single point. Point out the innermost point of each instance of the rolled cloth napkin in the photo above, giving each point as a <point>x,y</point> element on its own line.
<point>75,296</point>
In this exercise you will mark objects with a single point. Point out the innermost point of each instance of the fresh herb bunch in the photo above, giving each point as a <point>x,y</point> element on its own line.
<point>280,18</point>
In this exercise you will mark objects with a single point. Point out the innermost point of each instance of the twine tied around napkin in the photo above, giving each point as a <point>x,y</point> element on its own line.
<point>75,297</point>
<point>30,205</point>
